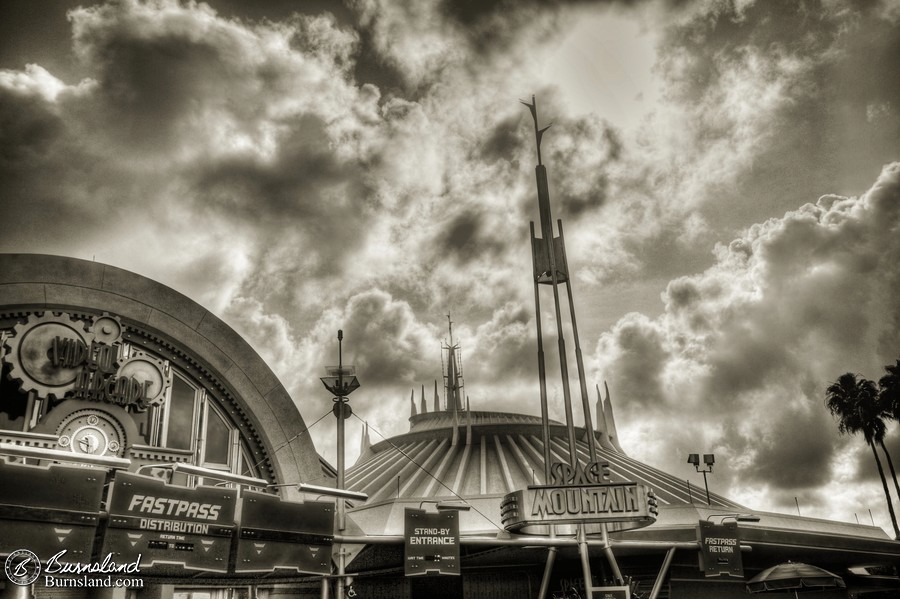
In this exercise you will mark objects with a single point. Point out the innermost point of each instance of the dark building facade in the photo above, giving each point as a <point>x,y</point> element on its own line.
<point>126,375</point>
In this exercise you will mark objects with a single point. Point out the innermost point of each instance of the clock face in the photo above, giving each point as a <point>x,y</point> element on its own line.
<point>92,432</point>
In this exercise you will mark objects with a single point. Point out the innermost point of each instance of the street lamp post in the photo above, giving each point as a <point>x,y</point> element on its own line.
<point>341,382</point>
<point>708,461</point>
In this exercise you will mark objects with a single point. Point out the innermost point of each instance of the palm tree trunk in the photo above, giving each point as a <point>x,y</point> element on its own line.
<point>891,467</point>
<point>887,492</point>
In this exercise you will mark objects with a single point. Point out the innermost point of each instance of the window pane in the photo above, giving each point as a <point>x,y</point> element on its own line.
<point>181,415</point>
<point>13,403</point>
<point>143,420</point>
<point>217,438</point>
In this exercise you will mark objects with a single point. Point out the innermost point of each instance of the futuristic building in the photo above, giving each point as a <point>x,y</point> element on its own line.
<point>108,376</point>
<point>462,457</point>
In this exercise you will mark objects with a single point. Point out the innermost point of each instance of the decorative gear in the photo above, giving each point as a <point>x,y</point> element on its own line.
<point>107,329</point>
<point>143,367</point>
<point>93,432</point>
<point>29,353</point>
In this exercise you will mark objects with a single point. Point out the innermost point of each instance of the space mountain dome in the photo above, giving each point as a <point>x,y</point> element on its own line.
<point>454,452</point>
<point>454,455</point>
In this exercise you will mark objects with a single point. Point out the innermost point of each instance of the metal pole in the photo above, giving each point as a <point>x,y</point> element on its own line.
<point>585,562</point>
<point>548,570</point>
<point>657,586</point>
<point>579,360</point>
<point>339,502</point>
<point>610,556</point>
<point>542,372</point>
<point>705,484</point>
<point>563,363</point>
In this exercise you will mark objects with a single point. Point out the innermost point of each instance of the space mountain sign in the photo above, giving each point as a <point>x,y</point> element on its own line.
<point>579,495</point>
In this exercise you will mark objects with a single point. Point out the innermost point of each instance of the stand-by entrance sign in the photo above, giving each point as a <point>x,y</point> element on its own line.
<point>432,542</point>
<point>720,549</point>
<point>621,592</point>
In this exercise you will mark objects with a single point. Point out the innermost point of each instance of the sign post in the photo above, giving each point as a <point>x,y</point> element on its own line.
<point>341,382</point>
<point>432,542</point>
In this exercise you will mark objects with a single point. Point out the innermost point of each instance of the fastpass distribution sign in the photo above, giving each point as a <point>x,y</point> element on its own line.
<point>168,524</point>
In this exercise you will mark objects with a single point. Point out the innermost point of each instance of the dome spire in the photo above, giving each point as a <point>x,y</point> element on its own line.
<point>453,378</point>
<point>610,420</point>
<point>602,429</point>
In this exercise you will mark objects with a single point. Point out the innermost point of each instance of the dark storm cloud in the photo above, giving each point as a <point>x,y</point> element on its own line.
<point>502,140</point>
<point>790,452</point>
<point>465,239</point>
<point>582,152</point>
<point>828,64</point>
<point>29,128</point>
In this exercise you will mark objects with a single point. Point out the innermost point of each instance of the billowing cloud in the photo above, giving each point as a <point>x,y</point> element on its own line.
<point>371,169</point>
<point>743,352</point>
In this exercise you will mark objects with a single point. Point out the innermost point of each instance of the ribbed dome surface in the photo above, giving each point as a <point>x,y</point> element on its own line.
<point>494,453</point>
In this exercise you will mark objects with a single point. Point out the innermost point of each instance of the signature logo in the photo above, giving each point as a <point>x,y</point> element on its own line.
<point>22,567</point>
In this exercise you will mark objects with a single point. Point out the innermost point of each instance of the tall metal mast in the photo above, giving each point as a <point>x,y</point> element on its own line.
<point>551,268</point>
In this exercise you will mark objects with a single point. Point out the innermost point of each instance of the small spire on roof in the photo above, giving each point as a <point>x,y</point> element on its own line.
<point>602,429</point>
<point>424,407</point>
<point>412,403</point>
<point>611,420</point>
<point>365,444</point>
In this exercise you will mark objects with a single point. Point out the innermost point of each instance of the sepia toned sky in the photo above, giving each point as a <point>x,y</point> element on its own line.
<point>725,172</point>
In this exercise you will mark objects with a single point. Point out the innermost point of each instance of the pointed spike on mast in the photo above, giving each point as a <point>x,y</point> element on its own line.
<point>412,403</point>
<point>424,407</point>
<point>538,132</point>
<point>437,398</point>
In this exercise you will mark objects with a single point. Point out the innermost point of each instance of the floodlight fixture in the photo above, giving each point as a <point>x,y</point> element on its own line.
<point>332,492</point>
<point>708,461</point>
<point>58,455</point>
<point>453,505</point>
<point>229,477</point>
<point>737,517</point>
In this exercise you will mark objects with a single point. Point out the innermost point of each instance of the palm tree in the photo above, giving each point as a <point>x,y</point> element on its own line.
<point>855,402</point>
<point>889,390</point>
<point>889,402</point>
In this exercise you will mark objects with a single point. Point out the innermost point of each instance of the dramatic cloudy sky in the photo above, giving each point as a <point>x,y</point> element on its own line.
<point>725,172</point>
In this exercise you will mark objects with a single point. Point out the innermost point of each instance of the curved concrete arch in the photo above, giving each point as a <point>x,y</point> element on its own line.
<point>42,282</point>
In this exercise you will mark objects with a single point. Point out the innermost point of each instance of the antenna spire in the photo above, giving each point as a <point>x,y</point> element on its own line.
<point>538,133</point>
